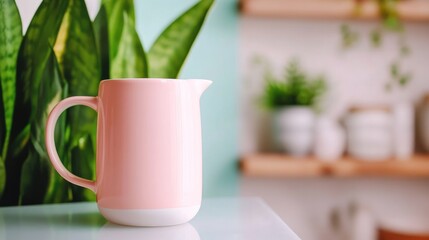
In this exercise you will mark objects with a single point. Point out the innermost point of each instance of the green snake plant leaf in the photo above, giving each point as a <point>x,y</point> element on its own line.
<point>130,62</point>
<point>2,134</point>
<point>10,40</point>
<point>126,5</point>
<point>49,92</point>
<point>82,157</point>
<point>102,37</point>
<point>169,51</point>
<point>115,10</point>
<point>76,49</point>
<point>58,188</point>
<point>33,53</point>
<point>2,177</point>
<point>33,192</point>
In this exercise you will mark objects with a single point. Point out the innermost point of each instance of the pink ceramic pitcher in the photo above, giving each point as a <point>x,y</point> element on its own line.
<point>148,166</point>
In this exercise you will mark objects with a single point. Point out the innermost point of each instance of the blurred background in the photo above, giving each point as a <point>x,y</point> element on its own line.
<point>319,107</point>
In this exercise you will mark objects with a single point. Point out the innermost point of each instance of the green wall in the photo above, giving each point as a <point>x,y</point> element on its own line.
<point>214,57</point>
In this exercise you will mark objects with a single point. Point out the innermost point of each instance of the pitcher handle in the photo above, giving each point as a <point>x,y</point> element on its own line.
<point>91,102</point>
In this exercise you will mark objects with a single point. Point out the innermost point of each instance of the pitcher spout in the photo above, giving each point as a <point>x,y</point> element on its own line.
<point>200,85</point>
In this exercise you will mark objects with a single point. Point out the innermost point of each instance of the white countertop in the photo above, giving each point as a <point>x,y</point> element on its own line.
<point>218,219</point>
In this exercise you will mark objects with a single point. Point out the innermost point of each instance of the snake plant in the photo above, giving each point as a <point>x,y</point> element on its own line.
<point>63,53</point>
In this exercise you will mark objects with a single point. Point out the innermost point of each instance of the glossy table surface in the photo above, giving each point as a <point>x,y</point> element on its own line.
<point>218,218</point>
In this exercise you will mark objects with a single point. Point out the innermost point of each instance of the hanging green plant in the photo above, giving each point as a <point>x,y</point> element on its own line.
<point>390,22</point>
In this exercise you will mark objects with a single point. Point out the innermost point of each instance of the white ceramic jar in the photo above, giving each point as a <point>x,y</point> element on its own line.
<point>329,140</point>
<point>294,129</point>
<point>369,133</point>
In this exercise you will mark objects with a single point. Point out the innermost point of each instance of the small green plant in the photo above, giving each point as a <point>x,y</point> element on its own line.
<point>295,89</point>
<point>63,53</point>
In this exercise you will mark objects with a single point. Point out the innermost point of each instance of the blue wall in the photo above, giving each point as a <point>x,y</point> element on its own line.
<point>214,57</point>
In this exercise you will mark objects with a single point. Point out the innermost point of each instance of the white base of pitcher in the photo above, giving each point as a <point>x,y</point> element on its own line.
<point>150,217</point>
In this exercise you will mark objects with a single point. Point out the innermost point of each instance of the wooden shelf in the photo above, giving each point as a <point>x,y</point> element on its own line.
<point>277,165</point>
<point>410,10</point>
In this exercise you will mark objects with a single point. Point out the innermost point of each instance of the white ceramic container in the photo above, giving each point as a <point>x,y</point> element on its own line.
<point>329,140</point>
<point>369,134</point>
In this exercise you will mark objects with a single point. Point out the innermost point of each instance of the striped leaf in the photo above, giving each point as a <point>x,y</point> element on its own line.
<point>49,92</point>
<point>2,177</point>
<point>115,10</point>
<point>10,40</point>
<point>82,160</point>
<point>168,53</point>
<point>130,62</point>
<point>127,6</point>
<point>33,54</point>
<point>116,23</point>
<point>102,37</point>
<point>76,49</point>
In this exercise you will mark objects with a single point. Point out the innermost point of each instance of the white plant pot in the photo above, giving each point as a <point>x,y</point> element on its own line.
<point>294,129</point>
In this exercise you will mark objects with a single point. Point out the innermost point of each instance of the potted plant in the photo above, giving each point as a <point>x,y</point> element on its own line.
<point>293,100</point>
<point>63,53</point>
